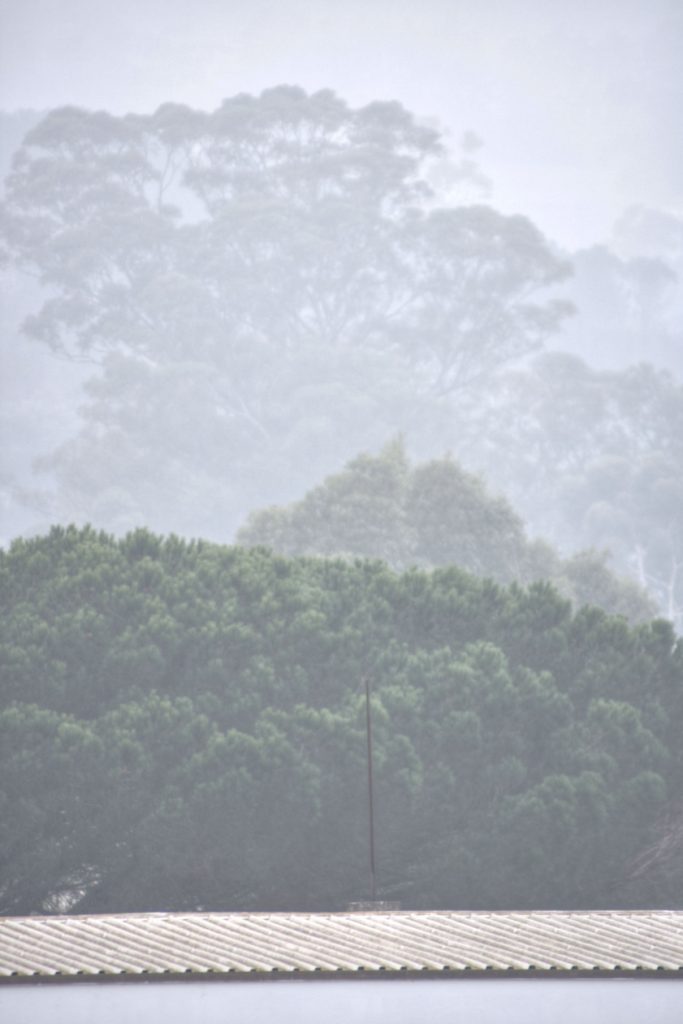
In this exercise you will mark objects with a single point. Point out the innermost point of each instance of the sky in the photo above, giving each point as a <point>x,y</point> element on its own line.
<point>577,103</point>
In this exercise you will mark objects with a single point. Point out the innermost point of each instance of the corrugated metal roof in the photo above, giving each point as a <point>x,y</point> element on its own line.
<point>238,944</point>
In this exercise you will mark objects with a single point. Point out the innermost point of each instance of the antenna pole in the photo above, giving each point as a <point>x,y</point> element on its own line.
<point>371,809</point>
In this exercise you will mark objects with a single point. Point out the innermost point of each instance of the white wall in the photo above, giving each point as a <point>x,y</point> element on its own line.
<point>484,1001</point>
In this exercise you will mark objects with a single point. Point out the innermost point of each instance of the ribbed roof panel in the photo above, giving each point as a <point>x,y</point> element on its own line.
<point>173,944</point>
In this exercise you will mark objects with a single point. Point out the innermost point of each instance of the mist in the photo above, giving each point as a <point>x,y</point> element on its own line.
<point>577,104</point>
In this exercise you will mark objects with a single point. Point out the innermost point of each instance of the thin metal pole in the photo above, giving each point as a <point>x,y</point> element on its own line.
<point>371,809</point>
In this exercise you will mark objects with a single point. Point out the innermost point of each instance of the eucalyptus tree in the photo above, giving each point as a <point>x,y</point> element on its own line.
<point>260,289</point>
<point>592,459</point>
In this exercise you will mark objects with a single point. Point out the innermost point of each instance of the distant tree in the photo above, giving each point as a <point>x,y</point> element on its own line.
<point>359,512</point>
<point>458,522</point>
<point>628,310</point>
<point>279,263</point>
<point>433,514</point>
<point>592,460</point>
<point>650,233</point>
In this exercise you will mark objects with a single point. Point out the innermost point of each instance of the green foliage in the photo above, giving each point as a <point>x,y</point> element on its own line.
<point>433,514</point>
<point>183,727</point>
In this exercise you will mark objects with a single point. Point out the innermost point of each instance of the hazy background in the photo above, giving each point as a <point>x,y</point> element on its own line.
<point>577,103</point>
<point>569,113</point>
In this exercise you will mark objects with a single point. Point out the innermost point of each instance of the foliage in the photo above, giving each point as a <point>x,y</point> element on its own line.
<point>433,514</point>
<point>183,727</point>
<point>592,459</point>
<point>629,297</point>
<point>256,287</point>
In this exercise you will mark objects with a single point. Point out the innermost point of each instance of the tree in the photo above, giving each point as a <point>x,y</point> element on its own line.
<point>628,309</point>
<point>182,726</point>
<point>433,514</point>
<point>283,261</point>
<point>592,459</point>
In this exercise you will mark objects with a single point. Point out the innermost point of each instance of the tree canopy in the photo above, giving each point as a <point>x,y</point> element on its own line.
<point>434,514</point>
<point>284,267</point>
<point>591,459</point>
<point>259,293</point>
<point>183,727</point>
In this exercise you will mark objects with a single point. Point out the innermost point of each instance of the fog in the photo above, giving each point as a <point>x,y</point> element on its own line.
<point>382,280</point>
<point>577,103</point>
<point>565,115</point>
